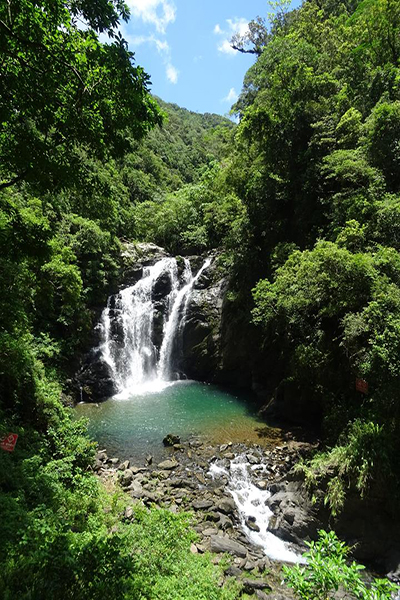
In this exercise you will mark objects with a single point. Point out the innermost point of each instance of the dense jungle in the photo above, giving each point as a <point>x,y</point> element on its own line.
<point>298,198</point>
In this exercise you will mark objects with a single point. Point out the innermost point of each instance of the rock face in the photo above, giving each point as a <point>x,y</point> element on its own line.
<point>136,256</point>
<point>296,518</point>
<point>201,334</point>
<point>93,382</point>
<point>368,526</point>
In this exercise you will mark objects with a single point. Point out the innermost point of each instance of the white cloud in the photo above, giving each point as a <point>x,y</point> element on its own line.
<point>157,12</point>
<point>172,74</point>
<point>237,25</point>
<point>163,49</point>
<point>231,97</point>
<point>226,48</point>
<point>240,26</point>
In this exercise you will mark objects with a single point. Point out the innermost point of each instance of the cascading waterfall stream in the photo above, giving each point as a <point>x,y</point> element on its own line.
<point>176,321</point>
<point>251,502</point>
<point>127,327</point>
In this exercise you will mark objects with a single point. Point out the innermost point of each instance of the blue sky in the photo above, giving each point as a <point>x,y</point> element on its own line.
<point>184,46</point>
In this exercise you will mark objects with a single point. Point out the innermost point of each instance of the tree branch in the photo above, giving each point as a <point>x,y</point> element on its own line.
<point>13,181</point>
<point>243,50</point>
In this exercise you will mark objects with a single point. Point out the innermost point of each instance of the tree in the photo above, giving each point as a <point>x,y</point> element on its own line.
<point>61,88</point>
<point>328,570</point>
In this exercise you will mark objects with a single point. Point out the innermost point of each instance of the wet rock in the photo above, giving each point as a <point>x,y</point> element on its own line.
<point>224,544</point>
<point>94,381</point>
<point>149,459</point>
<point>262,484</point>
<point>125,465</point>
<point>171,439</point>
<point>253,460</point>
<point>296,518</point>
<point>162,287</point>
<point>251,524</point>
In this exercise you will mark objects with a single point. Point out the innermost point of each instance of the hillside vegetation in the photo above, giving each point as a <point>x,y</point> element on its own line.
<point>301,198</point>
<point>75,164</point>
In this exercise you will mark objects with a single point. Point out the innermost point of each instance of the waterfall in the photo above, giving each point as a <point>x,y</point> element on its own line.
<point>176,321</point>
<point>141,325</point>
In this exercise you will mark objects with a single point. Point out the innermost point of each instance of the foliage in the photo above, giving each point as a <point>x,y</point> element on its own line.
<point>315,164</point>
<point>328,570</point>
<point>60,87</point>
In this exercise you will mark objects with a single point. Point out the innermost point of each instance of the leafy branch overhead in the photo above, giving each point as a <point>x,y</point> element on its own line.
<point>59,87</point>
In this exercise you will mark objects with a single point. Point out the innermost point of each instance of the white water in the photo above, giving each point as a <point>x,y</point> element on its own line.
<point>135,362</point>
<point>176,321</point>
<point>250,501</point>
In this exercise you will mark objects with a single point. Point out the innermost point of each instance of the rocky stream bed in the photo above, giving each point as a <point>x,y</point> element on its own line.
<point>195,476</point>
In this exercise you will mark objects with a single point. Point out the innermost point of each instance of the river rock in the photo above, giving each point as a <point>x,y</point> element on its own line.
<point>224,544</point>
<point>209,531</point>
<point>233,571</point>
<point>249,585</point>
<point>128,513</point>
<point>224,522</point>
<point>226,505</point>
<point>202,504</point>
<point>262,484</point>
<point>126,477</point>
<point>168,465</point>
<point>251,524</point>
<point>171,439</point>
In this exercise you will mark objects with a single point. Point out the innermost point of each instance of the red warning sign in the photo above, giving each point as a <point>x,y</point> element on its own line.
<point>8,443</point>
<point>362,386</point>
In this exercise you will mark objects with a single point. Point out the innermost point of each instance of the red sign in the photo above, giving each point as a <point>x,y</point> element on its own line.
<point>8,443</point>
<point>362,386</point>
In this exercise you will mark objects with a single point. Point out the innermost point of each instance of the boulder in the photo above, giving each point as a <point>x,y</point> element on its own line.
<point>250,585</point>
<point>224,544</point>
<point>202,504</point>
<point>226,505</point>
<point>171,439</point>
<point>251,524</point>
<point>168,465</point>
<point>126,477</point>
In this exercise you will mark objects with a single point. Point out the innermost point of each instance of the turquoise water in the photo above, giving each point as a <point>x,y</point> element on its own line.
<point>133,426</point>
